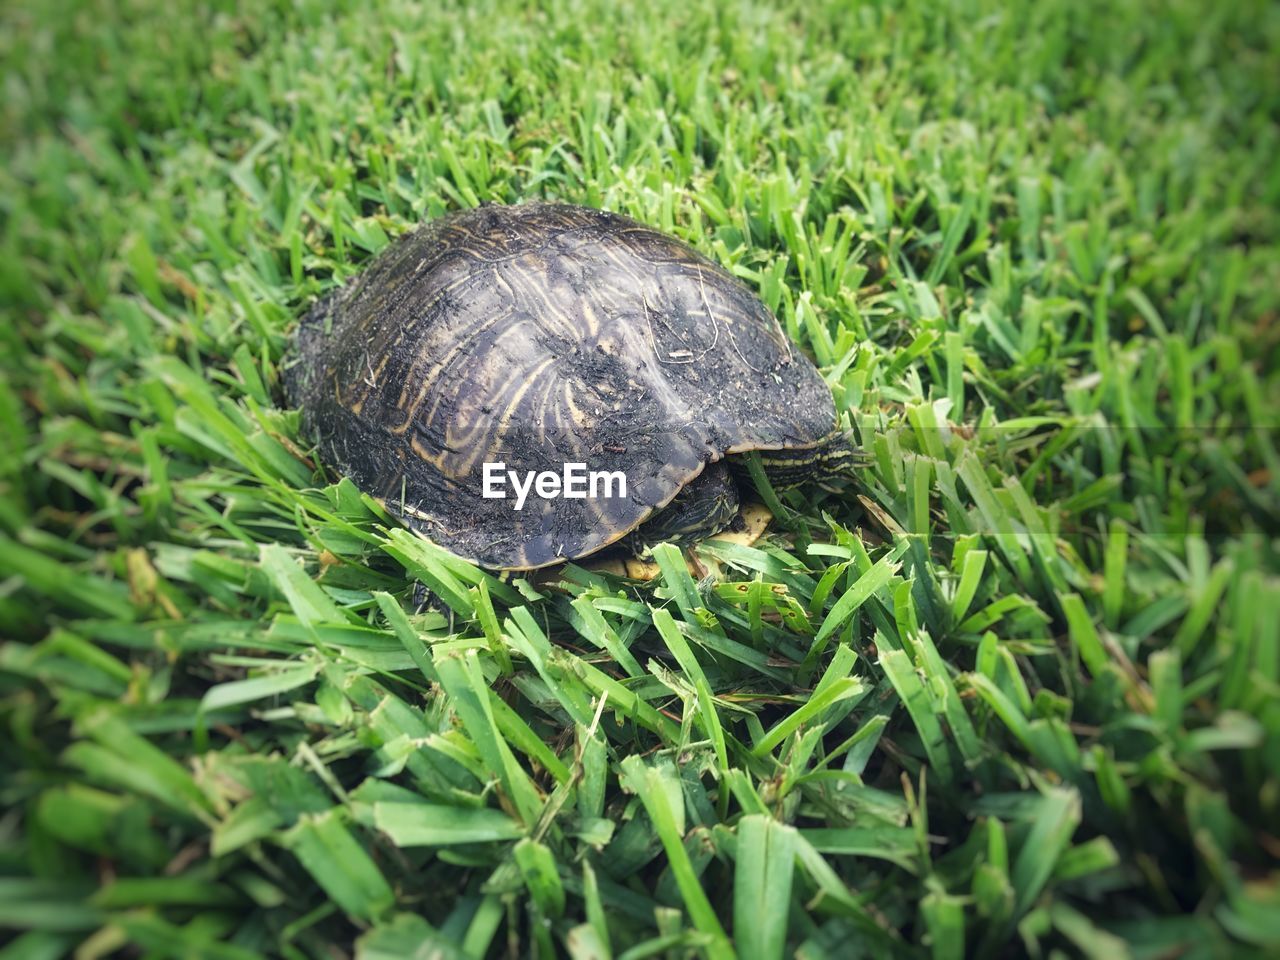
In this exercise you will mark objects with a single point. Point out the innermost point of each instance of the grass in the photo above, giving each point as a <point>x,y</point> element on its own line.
<point>1015,693</point>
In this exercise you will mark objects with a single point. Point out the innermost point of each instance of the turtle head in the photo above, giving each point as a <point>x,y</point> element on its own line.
<point>834,456</point>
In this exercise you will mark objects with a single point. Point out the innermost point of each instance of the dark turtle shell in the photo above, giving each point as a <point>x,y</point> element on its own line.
<point>537,335</point>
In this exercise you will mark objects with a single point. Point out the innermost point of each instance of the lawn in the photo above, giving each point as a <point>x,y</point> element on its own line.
<point>1016,691</point>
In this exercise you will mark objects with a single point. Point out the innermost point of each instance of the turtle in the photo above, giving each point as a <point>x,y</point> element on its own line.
<point>519,339</point>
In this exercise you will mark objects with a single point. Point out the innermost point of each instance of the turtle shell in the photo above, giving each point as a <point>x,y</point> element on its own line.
<point>537,335</point>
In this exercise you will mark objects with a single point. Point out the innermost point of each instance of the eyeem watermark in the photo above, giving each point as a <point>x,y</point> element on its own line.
<point>574,482</point>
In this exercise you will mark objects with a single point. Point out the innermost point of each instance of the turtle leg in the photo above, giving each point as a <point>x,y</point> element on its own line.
<point>702,509</point>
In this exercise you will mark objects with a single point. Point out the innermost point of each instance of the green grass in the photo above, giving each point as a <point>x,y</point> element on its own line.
<point>1018,692</point>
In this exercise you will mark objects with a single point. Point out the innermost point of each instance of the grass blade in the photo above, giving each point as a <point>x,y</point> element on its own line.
<point>766,861</point>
